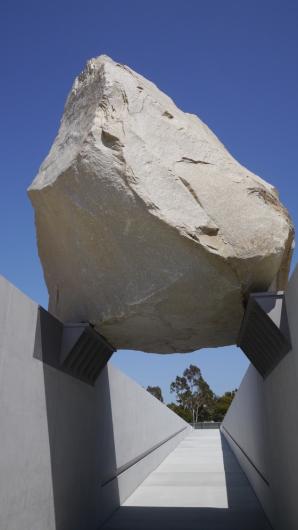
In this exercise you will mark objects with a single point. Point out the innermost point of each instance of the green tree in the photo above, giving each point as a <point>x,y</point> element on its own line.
<point>193,394</point>
<point>222,404</point>
<point>182,412</point>
<point>156,392</point>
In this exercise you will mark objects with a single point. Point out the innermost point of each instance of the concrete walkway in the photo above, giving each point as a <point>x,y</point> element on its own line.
<point>199,486</point>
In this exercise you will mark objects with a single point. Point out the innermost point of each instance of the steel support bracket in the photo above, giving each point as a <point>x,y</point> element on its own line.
<point>264,334</point>
<point>73,348</point>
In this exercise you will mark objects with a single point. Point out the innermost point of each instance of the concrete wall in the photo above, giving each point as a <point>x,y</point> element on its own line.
<point>245,428</point>
<point>281,392</point>
<point>70,453</point>
<point>263,428</point>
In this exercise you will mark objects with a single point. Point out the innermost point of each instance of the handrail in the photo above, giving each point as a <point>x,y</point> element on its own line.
<point>134,461</point>
<point>247,457</point>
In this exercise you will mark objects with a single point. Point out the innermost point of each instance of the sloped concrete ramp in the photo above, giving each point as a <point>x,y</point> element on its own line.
<point>199,486</point>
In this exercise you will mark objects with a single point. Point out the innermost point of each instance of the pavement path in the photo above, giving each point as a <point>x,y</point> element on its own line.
<point>199,486</point>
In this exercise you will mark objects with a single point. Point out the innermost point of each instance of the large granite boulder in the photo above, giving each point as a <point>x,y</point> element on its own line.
<point>147,227</point>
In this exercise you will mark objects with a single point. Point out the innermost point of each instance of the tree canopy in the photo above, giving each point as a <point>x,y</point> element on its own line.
<point>156,392</point>
<point>193,393</point>
<point>195,401</point>
<point>221,405</point>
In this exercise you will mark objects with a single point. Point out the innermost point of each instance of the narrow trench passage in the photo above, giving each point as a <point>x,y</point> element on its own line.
<point>199,486</point>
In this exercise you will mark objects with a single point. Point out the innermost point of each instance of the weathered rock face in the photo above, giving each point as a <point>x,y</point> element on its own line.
<point>147,226</point>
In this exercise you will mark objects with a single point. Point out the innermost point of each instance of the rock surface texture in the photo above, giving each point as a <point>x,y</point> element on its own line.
<point>147,227</point>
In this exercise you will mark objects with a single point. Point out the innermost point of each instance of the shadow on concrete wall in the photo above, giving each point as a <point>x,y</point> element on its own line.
<point>81,437</point>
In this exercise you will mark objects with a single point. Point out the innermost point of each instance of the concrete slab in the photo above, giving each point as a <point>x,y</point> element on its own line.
<point>200,485</point>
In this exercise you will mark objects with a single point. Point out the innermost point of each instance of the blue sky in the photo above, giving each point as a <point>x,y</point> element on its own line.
<point>234,63</point>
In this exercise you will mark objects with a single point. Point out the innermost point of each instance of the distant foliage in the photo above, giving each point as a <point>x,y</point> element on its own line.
<point>221,405</point>
<point>182,412</point>
<point>195,401</point>
<point>156,392</point>
<point>193,394</point>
